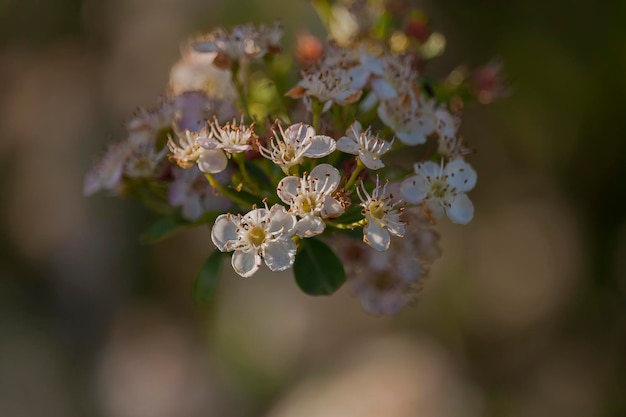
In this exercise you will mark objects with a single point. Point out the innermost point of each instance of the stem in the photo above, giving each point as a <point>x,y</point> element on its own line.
<point>349,226</point>
<point>241,89</point>
<point>241,162</point>
<point>225,192</point>
<point>355,174</point>
<point>316,109</point>
<point>294,170</point>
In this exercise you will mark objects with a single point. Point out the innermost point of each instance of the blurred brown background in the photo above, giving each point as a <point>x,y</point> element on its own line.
<point>524,315</point>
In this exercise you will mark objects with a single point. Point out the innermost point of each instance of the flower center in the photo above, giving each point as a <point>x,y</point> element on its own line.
<point>377,209</point>
<point>256,236</point>
<point>438,189</point>
<point>308,203</point>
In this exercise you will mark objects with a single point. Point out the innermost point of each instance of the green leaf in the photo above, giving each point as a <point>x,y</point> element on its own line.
<point>163,228</point>
<point>318,271</point>
<point>208,276</point>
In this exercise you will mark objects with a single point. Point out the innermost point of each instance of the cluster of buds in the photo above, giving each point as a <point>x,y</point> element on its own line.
<point>281,177</point>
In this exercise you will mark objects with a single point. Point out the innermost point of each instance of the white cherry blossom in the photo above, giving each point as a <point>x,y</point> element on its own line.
<point>382,216</point>
<point>310,197</point>
<point>262,235</point>
<point>367,146</point>
<point>295,143</point>
<point>442,189</point>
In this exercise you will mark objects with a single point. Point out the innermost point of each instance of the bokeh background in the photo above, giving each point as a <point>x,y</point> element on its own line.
<point>524,315</point>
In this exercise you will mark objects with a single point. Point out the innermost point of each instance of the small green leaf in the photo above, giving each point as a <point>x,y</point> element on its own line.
<point>318,271</point>
<point>208,276</point>
<point>163,228</point>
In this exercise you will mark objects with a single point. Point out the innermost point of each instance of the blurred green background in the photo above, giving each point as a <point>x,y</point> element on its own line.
<point>524,315</point>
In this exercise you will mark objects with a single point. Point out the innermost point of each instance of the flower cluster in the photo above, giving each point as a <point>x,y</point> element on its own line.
<point>281,177</point>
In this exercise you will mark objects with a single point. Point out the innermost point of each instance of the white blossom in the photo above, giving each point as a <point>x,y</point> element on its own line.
<point>412,120</point>
<point>310,197</point>
<point>392,76</point>
<point>382,217</point>
<point>328,84</point>
<point>295,143</point>
<point>385,282</point>
<point>191,191</point>
<point>232,137</point>
<point>260,235</point>
<point>367,146</point>
<point>106,174</point>
<point>442,189</point>
<point>195,71</point>
<point>450,144</point>
<point>142,160</point>
<point>189,151</point>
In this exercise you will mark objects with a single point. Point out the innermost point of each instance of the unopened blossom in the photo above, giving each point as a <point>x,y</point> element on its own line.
<point>327,84</point>
<point>231,137</point>
<point>294,144</point>
<point>382,216</point>
<point>310,197</point>
<point>188,152</point>
<point>412,120</point>
<point>191,191</point>
<point>365,144</point>
<point>488,82</point>
<point>262,235</point>
<point>442,189</point>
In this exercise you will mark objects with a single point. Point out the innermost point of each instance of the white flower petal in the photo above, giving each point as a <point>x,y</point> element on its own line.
<point>411,137</point>
<point>461,211</point>
<point>256,216</point>
<point>370,162</point>
<point>347,145</point>
<point>327,176</point>
<point>383,89</point>
<point>460,175</point>
<point>376,236</point>
<point>212,162</point>
<point>209,143</point>
<point>332,208</point>
<point>435,208</point>
<point>192,208</point>
<point>280,219</point>
<point>246,263</point>
<point>288,188</point>
<point>280,254</point>
<point>428,169</point>
<point>224,232</point>
<point>414,189</point>
<point>320,146</point>
<point>299,132</point>
<point>396,228</point>
<point>310,225</point>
